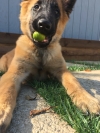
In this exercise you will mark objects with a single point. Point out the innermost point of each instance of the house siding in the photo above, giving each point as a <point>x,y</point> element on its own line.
<point>84,21</point>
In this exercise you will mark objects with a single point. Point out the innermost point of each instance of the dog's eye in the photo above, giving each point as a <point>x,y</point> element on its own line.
<point>57,11</point>
<point>36,7</point>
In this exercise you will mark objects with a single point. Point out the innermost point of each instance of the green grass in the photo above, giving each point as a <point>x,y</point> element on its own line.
<point>81,66</point>
<point>54,94</point>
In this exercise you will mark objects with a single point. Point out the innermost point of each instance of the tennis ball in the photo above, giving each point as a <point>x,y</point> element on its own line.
<point>38,36</point>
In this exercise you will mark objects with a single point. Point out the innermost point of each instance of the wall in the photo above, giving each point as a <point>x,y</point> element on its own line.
<point>9,13</point>
<point>84,21</point>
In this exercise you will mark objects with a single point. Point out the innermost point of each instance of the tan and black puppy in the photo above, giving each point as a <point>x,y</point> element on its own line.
<point>48,17</point>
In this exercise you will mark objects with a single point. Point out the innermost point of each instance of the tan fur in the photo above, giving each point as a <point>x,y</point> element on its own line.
<point>5,61</point>
<point>29,59</point>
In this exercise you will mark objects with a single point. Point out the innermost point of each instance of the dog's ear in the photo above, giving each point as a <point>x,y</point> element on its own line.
<point>68,6</point>
<point>24,3</point>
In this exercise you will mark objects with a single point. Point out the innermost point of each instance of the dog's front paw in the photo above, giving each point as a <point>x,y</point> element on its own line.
<point>86,102</point>
<point>5,118</point>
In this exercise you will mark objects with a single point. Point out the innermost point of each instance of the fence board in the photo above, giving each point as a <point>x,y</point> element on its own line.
<point>69,28</point>
<point>14,16</point>
<point>96,23</point>
<point>3,15</point>
<point>71,48</point>
<point>76,21</point>
<point>90,18</point>
<point>84,21</point>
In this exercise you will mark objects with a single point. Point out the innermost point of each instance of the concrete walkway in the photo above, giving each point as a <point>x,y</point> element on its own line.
<point>48,122</point>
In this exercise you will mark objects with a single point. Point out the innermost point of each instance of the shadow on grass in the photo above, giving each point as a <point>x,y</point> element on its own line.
<point>54,93</point>
<point>90,81</point>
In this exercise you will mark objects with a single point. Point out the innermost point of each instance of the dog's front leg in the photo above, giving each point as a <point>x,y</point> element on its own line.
<point>78,94</point>
<point>9,87</point>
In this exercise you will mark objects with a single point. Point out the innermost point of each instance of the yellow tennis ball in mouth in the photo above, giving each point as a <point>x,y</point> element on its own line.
<point>38,36</point>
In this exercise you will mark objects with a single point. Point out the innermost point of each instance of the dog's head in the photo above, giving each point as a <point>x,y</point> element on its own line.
<point>48,17</point>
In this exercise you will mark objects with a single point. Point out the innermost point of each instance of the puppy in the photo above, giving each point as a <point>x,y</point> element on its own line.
<point>48,17</point>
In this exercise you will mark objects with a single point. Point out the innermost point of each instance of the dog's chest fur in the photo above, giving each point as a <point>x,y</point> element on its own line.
<point>42,57</point>
<point>36,57</point>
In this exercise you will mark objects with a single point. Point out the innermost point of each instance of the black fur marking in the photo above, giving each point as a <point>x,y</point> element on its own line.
<point>48,10</point>
<point>45,16</point>
<point>68,6</point>
<point>3,128</point>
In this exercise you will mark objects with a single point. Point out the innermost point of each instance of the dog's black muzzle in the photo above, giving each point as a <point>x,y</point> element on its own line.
<point>45,27</point>
<point>45,15</point>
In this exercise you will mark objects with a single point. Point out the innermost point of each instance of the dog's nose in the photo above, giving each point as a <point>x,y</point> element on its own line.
<point>44,24</point>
